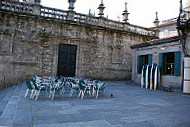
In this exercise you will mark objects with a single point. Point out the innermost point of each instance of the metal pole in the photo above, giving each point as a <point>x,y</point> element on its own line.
<point>0,3</point>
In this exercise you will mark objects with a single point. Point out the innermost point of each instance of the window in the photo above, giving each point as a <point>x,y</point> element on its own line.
<point>168,66</point>
<point>161,34</point>
<point>143,60</point>
<point>170,63</point>
<point>166,33</point>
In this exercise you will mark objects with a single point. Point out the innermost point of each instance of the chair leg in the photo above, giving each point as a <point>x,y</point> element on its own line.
<point>50,92</point>
<point>38,93</point>
<point>97,93</point>
<point>62,91</point>
<point>71,93</point>
<point>93,92</point>
<point>31,94</point>
<point>35,94</point>
<point>84,90</point>
<point>82,96</point>
<point>26,93</point>
<point>89,92</point>
<point>79,93</point>
<point>46,92</point>
<point>53,94</point>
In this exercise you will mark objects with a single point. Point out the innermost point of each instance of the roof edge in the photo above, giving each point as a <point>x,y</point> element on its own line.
<point>156,42</point>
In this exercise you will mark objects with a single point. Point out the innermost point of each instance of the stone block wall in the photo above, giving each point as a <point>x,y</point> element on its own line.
<point>29,46</point>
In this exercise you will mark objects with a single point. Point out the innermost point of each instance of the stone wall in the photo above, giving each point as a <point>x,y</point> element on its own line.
<point>29,46</point>
<point>167,31</point>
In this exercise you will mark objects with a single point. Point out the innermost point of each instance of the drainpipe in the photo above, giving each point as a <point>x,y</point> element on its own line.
<point>0,3</point>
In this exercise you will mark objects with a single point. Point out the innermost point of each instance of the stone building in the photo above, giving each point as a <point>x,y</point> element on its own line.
<point>37,40</point>
<point>167,53</point>
<point>167,28</point>
<point>170,52</point>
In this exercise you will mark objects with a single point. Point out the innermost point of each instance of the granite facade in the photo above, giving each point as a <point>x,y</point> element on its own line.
<point>29,46</point>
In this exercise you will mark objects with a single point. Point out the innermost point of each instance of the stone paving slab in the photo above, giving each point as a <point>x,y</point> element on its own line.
<point>131,106</point>
<point>96,123</point>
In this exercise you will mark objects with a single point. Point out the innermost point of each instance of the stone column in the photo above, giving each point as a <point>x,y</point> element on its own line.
<point>70,15</point>
<point>186,83</point>
<point>156,21</point>
<point>101,9</point>
<point>125,14</point>
<point>31,1</point>
<point>71,12</point>
<point>36,1</point>
<point>36,7</point>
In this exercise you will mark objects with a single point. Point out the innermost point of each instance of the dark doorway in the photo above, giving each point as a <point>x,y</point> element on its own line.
<point>67,60</point>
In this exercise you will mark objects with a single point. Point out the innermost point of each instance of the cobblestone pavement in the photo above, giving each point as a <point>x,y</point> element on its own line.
<point>131,106</point>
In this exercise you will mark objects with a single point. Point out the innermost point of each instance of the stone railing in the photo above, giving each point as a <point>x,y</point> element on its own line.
<point>48,12</point>
<point>53,13</point>
<point>103,22</point>
<point>16,6</point>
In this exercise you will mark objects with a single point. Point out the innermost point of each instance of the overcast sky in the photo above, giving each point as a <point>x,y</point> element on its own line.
<point>142,12</point>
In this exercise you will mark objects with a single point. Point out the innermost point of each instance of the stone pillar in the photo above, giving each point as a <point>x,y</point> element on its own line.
<point>71,12</point>
<point>186,83</point>
<point>125,14</point>
<point>71,4</point>
<point>37,7</point>
<point>70,15</point>
<point>101,9</point>
<point>36,1</point>
<point>31,1</point>
<point>156,21</point>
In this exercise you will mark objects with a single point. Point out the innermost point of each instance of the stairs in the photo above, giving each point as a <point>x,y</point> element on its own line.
<point>8,103</point>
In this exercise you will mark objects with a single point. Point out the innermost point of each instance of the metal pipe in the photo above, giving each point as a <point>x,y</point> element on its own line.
<point>0,3</point>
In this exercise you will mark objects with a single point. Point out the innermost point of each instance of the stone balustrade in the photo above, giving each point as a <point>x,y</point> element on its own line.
<point>58,14</point>
<point>53,13</point>
<point>16,6</point>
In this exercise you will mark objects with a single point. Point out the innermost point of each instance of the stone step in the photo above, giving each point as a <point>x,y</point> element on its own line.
<point>10,109</point>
